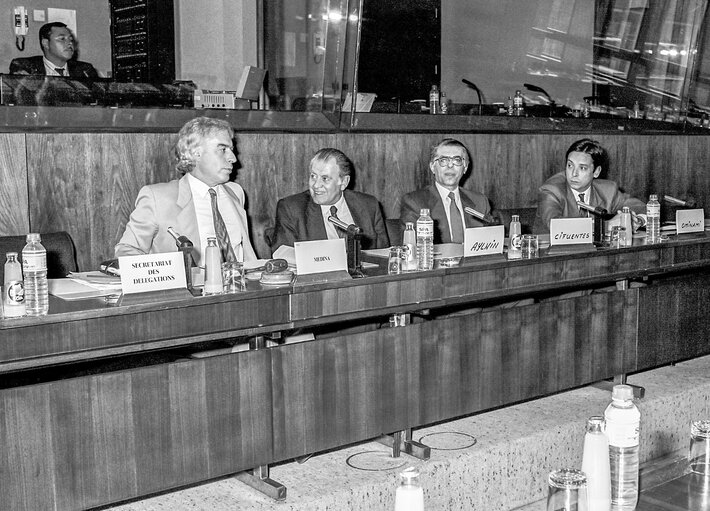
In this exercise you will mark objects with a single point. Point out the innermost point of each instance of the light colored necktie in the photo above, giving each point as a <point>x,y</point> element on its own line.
<point>220,231</point>
<point>582,212</point>
<point>455,219</point>
<point>338,230</point>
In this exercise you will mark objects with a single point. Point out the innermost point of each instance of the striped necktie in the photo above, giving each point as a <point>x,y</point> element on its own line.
<point>338,230</point>
<point>455,219</point>
<point>582,212</point>
<point>220,231</point>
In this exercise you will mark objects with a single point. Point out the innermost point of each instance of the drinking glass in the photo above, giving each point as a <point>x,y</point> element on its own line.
<point>567,490</point>
<point>699,455</point>
<point>528,245</point>
<point>232,277</point>
<point>397,262</point>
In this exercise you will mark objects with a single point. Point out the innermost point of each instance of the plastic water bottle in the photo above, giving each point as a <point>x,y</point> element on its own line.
<point>595,463</point>
<point>653,220</point>
<point>425,241</point>
<point>409,495</point>
<point>13,288</point>
<point>515,233</point>
<point>622,429</point>
<point>409,240</point>
<point>213,268</point>
<point>627,224</point>
<point>34,266</point>
<point>434,100</point>
<point>518,104</point>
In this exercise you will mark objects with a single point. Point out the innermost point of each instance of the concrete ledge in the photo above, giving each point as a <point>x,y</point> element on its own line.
<point>516,447</point>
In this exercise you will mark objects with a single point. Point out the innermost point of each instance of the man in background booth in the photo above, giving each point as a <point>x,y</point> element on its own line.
<point>203,203</point>
<point>58,48</point>
<point>557,197</point>
<point>445,199</point>
<point>304,216</point>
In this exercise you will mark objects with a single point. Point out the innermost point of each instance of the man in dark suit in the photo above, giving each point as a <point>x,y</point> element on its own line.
<point>58,46</point>
<point>445,199</point>
<point>558,197</point>
<point>303,216</point>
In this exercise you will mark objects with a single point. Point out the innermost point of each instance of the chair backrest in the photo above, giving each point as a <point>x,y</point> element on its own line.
<point>394,230</point>
<point>61,256</point>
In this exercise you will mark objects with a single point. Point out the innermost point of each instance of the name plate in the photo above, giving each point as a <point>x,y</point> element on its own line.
<point>483,240</point>
<point>152,272</point>
<point>320,256</point>
<point>571,231</point>
<point>690,220</point>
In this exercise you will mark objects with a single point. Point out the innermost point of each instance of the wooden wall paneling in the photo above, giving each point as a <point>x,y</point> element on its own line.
<point>697,182</point>
<point>14,200</point>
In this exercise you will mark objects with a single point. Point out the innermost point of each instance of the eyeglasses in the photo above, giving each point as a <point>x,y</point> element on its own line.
<point>445,161</point>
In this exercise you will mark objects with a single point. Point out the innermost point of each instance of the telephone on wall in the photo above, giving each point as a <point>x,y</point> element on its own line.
<point>22,26</point>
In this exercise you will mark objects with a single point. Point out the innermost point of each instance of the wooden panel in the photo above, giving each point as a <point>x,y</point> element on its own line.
<point>74,444</point>
<point>14,206</point>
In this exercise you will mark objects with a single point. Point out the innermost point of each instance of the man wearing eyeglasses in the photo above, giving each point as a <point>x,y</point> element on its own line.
<point>445,199</point>
<point>58,48</point>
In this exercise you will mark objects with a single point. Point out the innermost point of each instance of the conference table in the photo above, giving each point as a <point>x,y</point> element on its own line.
<point>98,408</point>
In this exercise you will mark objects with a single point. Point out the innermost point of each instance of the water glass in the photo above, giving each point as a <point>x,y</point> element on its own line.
<point>397,262</point>
<point>529,247</point>
<point>232,277</point>
<point>699,455</point>
<point>567,490</point>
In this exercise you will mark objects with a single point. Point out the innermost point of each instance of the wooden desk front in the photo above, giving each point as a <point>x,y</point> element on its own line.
<point>91,440</point>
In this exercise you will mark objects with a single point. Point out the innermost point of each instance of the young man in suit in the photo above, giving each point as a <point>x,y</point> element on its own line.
<point>558,197</point>
<point>304,216</point>
<point>445,199</point>
<point>198,203</point>
<point>58,47</point>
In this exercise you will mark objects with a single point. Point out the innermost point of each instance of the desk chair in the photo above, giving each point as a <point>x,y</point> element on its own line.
<point>61,256</point>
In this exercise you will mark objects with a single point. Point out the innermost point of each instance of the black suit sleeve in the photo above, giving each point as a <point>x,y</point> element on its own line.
<point>286,229</point>
<point>382,240</point>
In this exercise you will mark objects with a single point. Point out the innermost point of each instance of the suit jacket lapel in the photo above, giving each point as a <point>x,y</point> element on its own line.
<point>186,217</point>
<point>315,226</point>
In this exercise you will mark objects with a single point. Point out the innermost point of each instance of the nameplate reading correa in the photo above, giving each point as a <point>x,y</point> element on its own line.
<point>320,256</point>
<point>483,240</point>
<point>690,220</point>
<point>152,272</point>
<point>571,231</point>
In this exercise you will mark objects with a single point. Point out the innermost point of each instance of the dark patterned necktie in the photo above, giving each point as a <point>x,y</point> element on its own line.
<point>582,212</point>
<point>59,70</point>
<point>220,231</point>
<point>455,218</point>
<point>334,213</point>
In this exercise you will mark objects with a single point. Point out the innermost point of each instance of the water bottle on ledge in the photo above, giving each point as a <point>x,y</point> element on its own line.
<point>425,241</point>
<point>595,463</point>
<point>515,233</point>
<point>409,495</point>
<point>434,100</point>
<point>622,429</point>
<point>653,220</point>
<point>13,288</point>
<point>34,266</point>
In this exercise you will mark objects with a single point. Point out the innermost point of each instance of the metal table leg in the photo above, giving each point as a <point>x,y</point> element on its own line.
<point>258,478</point>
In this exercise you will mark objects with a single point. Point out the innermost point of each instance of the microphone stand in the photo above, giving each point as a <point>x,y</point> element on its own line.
<point>535,88</point>
<point>185,246</point>
<point>598,216</point>
<point>478,92</point>
<point>352,246</point>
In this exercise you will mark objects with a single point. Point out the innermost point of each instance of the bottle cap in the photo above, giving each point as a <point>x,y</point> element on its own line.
<point>516,218</point>
<point>653,196</point>
<point>409,225</point>
<point>622,393</point>
<point>409,475</point>
<point>625,209</point>
<point>33,237</point>
<point>595,424</point>
<point>424,212</point>
<point>11,254</point>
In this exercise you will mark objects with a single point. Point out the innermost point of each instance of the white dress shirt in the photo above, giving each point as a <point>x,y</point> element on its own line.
<point>343,214</point>
<point>51,70</point>
<point>444,193</point>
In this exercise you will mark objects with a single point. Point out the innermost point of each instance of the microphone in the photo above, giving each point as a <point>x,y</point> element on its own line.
<point>688,203</point>
<point>271,266</point>
<point>180,241</point>
<point>535,88</point>
<point>478,92</point>
<point>350,229</point>
<point>595,210</point>
<point>486,219</point>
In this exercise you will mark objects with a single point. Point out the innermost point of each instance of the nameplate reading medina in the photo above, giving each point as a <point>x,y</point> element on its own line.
<point>320,256</point>
<point>690,220</point>
<point>571,231</point>
<point>483,240</point>
<point>152,272</point>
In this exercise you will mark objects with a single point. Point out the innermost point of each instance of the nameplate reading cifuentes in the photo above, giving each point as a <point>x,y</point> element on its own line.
<point>152,272</point>
<point>483,240</point>
<point>690,220</point>
<point>571,231</point>
<point>320,256</point>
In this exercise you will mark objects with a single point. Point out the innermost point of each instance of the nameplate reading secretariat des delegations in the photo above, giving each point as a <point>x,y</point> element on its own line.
<point>320,256</point>
<point>483,240</point>
<point>571,231</point>
<point>689,220</point>
<point>152,272</point>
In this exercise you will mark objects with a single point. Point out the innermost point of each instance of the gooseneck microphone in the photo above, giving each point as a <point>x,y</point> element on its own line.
<point>350,229</point>
<point>486,219</point>
<point>478,92</point>
<point>688,203</point>
<point>595,210</point>
<point>180,240</point>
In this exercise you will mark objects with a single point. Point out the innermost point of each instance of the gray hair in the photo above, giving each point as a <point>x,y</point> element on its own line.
<point>191,136</point>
